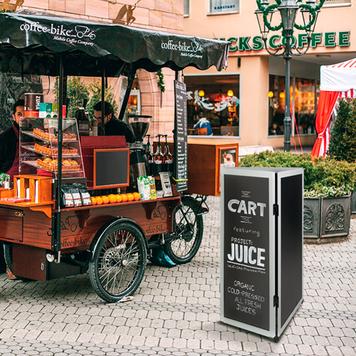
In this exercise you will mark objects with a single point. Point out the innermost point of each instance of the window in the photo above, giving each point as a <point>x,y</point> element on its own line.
<point>303,105</point>
<point>219,6</point>
<point>186,8</point>
<point>213,105</point>
<point>334,3</point>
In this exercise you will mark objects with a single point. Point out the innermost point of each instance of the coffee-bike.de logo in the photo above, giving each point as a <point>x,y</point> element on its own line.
<point>186,49</point>
<point>79,34</point>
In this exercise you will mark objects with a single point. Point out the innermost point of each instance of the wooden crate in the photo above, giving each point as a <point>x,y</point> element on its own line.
<point>40,188</point>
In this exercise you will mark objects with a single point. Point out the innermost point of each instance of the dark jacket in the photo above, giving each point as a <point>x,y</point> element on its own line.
<point>8,144</point>
<point>115,127</point>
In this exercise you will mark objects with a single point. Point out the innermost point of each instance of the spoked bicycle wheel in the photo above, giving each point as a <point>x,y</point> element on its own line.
<point>118,264</point>
<point>187,235</point>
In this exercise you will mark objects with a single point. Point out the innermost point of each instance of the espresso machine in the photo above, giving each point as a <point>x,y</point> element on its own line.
<point>139,125</point>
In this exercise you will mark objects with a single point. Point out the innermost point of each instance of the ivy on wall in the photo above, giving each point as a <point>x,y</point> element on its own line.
<point>160,81</point>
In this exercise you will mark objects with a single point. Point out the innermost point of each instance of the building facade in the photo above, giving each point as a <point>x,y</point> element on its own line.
<point>162,15</point>
<point>248,99</point>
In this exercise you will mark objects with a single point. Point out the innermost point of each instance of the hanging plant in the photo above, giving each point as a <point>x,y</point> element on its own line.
<point>160,81</point>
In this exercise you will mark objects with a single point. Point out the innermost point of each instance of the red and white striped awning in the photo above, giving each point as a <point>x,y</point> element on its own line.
<point>336,81</point>
<point>350,94</point>
<point>339,77</point>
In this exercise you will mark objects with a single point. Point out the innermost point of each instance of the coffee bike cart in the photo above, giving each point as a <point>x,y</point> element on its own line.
<point>42,239</point>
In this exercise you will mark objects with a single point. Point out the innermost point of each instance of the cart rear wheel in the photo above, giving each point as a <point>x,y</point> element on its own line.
<point>187,232</point>
<point>119,259</point>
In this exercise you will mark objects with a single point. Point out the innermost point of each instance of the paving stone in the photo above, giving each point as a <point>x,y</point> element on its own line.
<point>176,311</point>
<point>333,350</point>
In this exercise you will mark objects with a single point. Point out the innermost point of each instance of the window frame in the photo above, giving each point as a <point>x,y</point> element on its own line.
<point>234,74</point>
<point>343,3</point>
<point>212,13</point>
<point>188,14</point>
<point>293,82</point>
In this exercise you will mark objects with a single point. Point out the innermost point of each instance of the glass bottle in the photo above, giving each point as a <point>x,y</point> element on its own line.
<point>158,158</point>
<point>168,157</point>
<point>149,157</point>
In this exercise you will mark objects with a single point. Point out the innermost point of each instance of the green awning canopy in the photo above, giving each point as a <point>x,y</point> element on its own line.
<point>32,44</point>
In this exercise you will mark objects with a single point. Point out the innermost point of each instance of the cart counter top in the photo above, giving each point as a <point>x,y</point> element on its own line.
<point>218,141</point>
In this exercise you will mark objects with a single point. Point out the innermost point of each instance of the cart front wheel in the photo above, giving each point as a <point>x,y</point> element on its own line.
<point>118,263</point>
<point>187,232</point>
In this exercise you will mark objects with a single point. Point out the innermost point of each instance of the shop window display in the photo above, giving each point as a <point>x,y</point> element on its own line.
<point>303,105</point>
<point>214,99</point>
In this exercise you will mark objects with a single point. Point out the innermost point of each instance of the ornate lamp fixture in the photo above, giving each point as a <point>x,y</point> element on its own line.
<point>288,10</point>
<point>10,5</point>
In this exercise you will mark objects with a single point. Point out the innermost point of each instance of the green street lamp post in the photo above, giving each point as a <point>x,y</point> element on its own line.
<point>288,10</point>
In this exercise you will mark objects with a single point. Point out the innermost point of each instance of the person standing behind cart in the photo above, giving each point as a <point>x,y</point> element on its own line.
<point>9,155</point>
<point>9,142</point>
<point>112,125</point>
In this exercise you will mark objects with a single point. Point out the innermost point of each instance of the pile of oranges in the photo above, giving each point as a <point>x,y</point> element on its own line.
<point>115,198</point>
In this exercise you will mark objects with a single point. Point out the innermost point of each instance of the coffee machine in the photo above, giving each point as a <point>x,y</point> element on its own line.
<point>139,125</point>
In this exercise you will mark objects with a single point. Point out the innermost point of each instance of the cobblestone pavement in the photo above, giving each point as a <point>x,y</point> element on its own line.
<point>176,311</point>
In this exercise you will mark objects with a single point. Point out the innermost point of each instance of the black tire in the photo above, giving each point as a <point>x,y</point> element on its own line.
<point>118,263</point>
<point>187,232</point>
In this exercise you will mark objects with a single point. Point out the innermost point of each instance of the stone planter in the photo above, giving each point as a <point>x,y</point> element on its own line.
<point>326,219</point>
<point>353,203</point>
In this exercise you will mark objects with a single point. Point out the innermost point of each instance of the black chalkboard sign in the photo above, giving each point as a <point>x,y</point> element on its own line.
<point>261,248</point>
<point>246,250</point>
<point>111,168</point>
<point>180,137</point>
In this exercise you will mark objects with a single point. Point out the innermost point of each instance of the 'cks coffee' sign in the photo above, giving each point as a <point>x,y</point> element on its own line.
<point>246,251</point>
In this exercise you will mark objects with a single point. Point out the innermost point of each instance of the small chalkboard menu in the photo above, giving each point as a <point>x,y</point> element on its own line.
<point>180,137</point>
<point>111,168</point>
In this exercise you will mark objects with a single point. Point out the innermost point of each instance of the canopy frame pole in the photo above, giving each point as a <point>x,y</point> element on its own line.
<point>175,143</point>
<point>56,237</point>
<point>125,101</point>
<point>103,89</point>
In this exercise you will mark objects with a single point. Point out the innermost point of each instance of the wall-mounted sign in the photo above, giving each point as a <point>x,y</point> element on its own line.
<point>318,39</point>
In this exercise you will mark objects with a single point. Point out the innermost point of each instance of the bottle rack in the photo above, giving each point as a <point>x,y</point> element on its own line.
<point>38,147</point>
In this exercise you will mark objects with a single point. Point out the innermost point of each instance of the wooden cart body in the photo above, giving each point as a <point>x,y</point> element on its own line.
<point>29,229</point>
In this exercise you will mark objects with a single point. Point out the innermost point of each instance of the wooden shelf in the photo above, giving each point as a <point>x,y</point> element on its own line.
<point>31,149</point>
<point>26,204</point>
<point>64,171</point>
<point>174,198</point>
<point>52,142</point>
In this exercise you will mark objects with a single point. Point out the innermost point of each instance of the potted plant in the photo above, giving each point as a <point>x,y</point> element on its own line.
<point>328,184</point>
<point>343,137</point>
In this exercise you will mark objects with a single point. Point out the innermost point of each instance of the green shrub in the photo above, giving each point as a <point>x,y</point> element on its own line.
<point>343,134</point>
<point>95,97</point>
<point>77,93</point>
<point>322,177</point>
